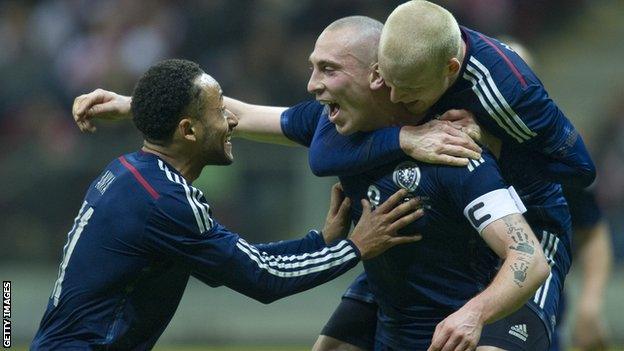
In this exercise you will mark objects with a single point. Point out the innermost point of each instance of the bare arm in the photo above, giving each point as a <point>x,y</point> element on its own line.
<point>258,122</point>
<point>523,270</point>
<point>595,258</point>
<point>100,104</point>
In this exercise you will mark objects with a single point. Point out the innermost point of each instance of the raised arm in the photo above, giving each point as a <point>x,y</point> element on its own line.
<point>258,122</point>
<point>523,270</point>
<point>100,104</point>
<point>255,122</point>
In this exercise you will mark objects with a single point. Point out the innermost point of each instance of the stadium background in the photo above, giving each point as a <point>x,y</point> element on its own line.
<point>51,51</point>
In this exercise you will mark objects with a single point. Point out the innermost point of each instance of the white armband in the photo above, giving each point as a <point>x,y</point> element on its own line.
<point>493,206</point>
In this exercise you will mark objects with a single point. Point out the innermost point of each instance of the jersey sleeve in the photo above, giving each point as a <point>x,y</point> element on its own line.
<point>479,191</point>
<point>299,122</point>
<point>178,230</point>
<point>521,112</point>
<point>565,158</point>
<point>334,154</point>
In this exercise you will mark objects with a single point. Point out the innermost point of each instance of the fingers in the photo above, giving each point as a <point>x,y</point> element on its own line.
<point>392,201</point>
<point>459,134</point>
<point>464,345</point>
<point>449,160</point>
<point>460,138</point>
<point>449,128</point>
<point>459,151</point>
<point>440,336</point>
<point>399,240</point>
<point>405,220</point>
<point>467,142</point>
<point>83,106</point>
<point>402,209</point>
<point>84,102</point>
<point>456,115</point>
<point>451,344</point>
<point>345,208</point>
<point>336,199</point>
<point>366,207</point>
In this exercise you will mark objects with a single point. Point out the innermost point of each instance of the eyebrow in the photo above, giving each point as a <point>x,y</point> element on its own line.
<point>324,62</point>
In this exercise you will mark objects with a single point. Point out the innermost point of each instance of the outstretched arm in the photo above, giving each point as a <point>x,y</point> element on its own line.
<point>255,122</point>
<point>258,122</point>
<point>272,271</point>
<point>523,270</point>
<point>100,104</point>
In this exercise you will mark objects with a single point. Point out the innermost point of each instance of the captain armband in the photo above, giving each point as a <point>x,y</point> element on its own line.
<point>492,206</point>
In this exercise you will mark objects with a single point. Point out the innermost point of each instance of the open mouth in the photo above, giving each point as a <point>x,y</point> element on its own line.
<point>332,109</point>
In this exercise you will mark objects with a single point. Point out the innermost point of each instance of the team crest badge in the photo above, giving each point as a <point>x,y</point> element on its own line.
<point>407,176</point>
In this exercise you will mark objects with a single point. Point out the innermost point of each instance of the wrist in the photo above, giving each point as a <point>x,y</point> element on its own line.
<point>356,248</point>
<point>404,140</point>
<point>476,309</point>
<point>324,236</point>
<point>126,111</point>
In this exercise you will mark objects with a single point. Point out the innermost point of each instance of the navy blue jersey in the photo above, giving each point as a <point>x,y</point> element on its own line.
<point>508,100</point>
<point>540,147</point>
<point>417,285</point>
<point>141,232</point>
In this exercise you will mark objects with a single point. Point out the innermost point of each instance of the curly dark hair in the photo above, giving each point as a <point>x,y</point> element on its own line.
<point>163,95</point>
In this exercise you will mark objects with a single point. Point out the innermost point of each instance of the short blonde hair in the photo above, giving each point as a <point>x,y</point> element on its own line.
<point>419,33</point>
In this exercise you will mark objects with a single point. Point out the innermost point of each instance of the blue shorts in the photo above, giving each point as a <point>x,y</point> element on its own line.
<point>355,320</point>
<point>359,290</point>
<point>544,304</point>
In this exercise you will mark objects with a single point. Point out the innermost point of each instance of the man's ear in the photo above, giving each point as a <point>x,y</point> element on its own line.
<point>186,129</point>
<point>453,66</point>
<point>376,81</point>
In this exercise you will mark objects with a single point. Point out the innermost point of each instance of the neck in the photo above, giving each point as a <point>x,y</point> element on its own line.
<point>188,166</point>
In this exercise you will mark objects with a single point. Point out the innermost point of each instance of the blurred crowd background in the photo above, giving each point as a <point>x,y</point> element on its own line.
<point>52,51</point>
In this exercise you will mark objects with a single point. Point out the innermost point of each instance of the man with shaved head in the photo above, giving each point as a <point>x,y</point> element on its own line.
<point>143,229</point>
<point>341,72</point>
<point>430,64</point>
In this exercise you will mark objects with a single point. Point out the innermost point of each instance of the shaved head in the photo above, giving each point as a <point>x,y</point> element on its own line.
<point>419,33</point>
<point>362,36</point>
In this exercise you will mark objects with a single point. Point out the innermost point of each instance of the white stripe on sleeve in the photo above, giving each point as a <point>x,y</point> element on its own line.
<point>331,258</point>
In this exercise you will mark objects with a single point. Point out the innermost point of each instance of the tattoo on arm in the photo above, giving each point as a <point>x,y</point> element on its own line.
<point>521,239</point>
<point>520,272</point>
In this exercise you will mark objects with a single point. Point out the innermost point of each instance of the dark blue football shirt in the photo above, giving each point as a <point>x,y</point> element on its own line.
<point>141,232</point>
<point>417,285</point>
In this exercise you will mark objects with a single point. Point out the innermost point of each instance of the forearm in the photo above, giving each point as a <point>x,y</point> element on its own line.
<point>257,122</point>
<point>523,270</point>
<point>311,242</point>
<point>334,154</point>
<point>516,281</point>
<point>595,256</point>
<point>267,277</point>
